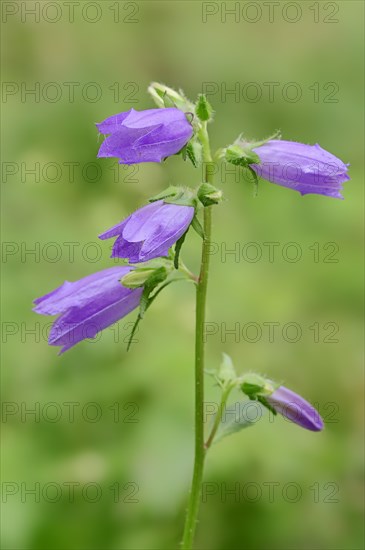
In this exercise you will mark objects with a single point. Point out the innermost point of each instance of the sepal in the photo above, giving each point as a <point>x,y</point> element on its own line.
<point>141,275</point>
<point>184,196</point>
<point>259,388</point>
<point>208,194</point>
<point>194,152</point>
<point>255,385</point>
<point>153,277</point>
<point>164,96</point>
<point>241,153</point>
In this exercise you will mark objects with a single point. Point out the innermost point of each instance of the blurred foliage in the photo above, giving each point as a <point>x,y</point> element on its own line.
<point>151,459</point>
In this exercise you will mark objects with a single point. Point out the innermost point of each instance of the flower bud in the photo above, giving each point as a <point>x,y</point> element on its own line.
<point>280,399</point>
<point>204,109</point>
<point>208,194</point>
<point>164,96</point>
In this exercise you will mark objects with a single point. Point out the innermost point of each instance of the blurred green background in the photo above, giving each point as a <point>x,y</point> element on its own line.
<point>118,427</point>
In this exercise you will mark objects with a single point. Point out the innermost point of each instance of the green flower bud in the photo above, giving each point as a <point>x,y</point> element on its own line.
<point>208,194</point>
<point>203,109</point>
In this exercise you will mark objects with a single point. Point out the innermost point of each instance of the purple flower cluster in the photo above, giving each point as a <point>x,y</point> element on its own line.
<point>95,302</point>
<point>99,300</point>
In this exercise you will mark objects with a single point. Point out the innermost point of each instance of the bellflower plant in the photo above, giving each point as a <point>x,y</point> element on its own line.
<point>152,238</point>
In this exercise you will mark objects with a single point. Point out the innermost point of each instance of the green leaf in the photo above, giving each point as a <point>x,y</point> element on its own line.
<point>227,372</point>
<point>236,419</point>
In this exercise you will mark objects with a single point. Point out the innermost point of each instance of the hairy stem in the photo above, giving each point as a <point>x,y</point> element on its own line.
<point>201,294</point>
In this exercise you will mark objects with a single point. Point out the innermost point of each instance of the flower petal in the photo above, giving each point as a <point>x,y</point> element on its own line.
<point>113,123</point>
<point>167,226</point>
<point>295,408</point>
<point>79,293</point>
<point>138,226</point>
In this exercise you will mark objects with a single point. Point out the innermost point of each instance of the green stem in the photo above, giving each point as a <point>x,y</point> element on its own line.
<point>201,294</point>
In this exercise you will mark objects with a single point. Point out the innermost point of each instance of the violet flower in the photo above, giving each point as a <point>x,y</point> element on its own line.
<point>150,231</point>
<point>87,306</point>
<point>144,136</point>
<point>296,409</point>
<point>304,168</point>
